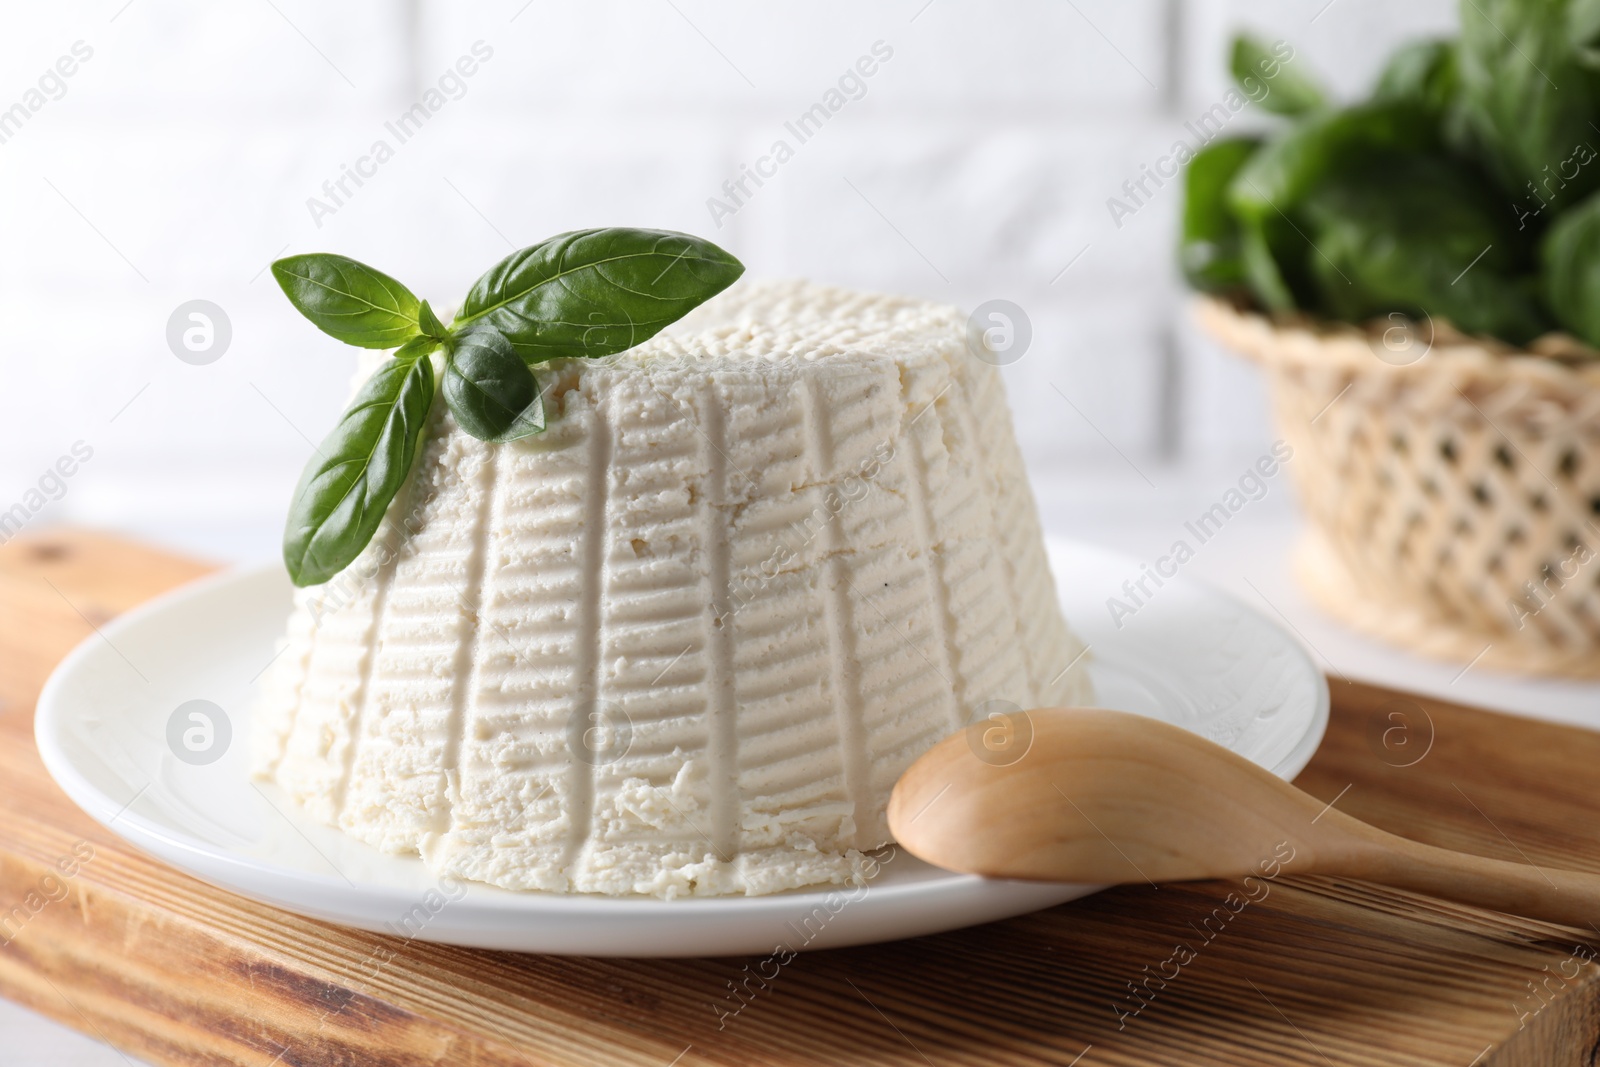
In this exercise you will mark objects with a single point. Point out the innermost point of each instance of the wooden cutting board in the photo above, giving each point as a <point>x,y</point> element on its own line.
<point>1319,971</point>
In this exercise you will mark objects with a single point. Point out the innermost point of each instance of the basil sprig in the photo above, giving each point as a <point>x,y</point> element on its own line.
<point>577,295</point>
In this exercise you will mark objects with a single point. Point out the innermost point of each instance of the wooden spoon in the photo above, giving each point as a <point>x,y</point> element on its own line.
<point>1108,798</point>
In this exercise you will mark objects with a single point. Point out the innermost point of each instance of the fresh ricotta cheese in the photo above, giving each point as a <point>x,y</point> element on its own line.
<point>685,641</point>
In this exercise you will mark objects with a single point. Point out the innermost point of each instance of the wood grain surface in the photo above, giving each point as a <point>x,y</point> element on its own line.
<point>1310,971</point>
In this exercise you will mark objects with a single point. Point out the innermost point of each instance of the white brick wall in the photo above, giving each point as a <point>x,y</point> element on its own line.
<point>976,165</point>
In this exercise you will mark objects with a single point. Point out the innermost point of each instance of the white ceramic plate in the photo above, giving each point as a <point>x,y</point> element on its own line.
<point>1189,655</point>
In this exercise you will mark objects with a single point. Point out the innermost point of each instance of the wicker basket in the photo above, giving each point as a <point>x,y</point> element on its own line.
<point>1452,485</point>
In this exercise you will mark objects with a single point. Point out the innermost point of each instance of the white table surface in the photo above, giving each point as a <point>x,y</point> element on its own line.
<point>1120,509</point>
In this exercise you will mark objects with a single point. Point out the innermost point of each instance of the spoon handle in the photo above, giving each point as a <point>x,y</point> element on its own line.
<point>1571,898</point>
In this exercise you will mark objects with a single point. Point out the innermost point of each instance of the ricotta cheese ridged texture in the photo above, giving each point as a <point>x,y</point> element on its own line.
<point>685,641</point>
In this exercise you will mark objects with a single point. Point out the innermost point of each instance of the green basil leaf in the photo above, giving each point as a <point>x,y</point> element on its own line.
<point>349,300</point>
<point>1423,236</point>
<point>1427,75</point>
<point>1266,193</point>
<point>1421,72</point>
<point>348,485</point>
<point>1272,253</point>
<point>491,392</point>
<point>1209,249</point>
<point>595,292</point>
<point>1279,176</point>
<point>1570,269</point>
<point>1529,90</point>
<point>429,323</point>
<point>1583,29</point>
<point>1264,76</point>
<point>416,347</point>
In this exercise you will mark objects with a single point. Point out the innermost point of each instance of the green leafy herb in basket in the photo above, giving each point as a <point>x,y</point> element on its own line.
<point>1467,188</point>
